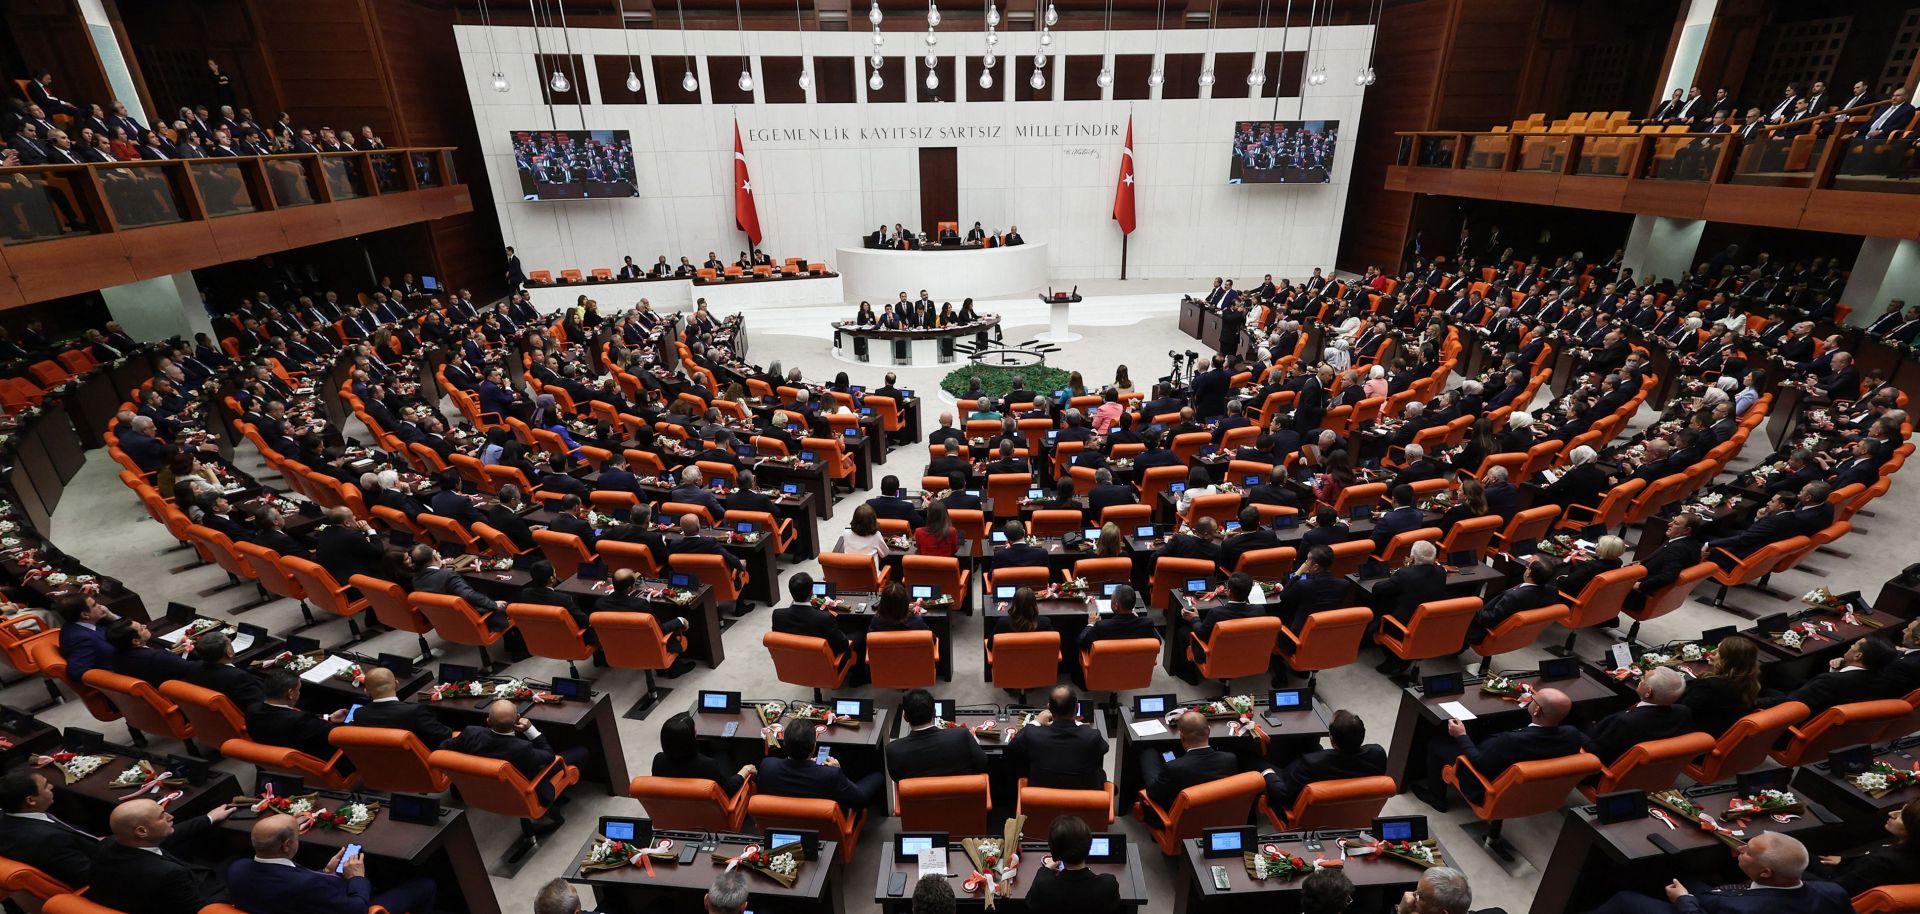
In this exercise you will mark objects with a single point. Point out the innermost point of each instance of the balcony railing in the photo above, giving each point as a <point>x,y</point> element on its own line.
<point>46,202</point>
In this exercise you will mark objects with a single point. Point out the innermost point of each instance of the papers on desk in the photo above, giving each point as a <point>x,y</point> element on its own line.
<point>933,862</point>
<point>1152,726</point>
<point>324,670</point>
<point>233,490</point>
<point>240,640</point>
<point>1549,476</point>
<point>1457,711</point>
<point>1257,596</point>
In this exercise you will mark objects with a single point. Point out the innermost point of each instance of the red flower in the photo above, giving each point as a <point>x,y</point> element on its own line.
<point>339,818</point>
<point>1297,862</point>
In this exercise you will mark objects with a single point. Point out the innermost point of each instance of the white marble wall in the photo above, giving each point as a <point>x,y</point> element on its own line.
<point>816,196</point>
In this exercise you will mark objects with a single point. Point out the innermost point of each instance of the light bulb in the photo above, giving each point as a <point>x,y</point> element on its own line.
<point>873,14</point>
<point>1105,78</point>
<point>806,80</point>
<point>499,81</point>
<point>989,60</point>
<point>559,82</point>
<point>1360,78</point>
<point>1256,77</point>
<point>1206,76</point>
<point>986,79</point>
<point>933,16</point>
<point>879,40</point>
<point>1046,38</point>
<point>633,81</point>
<point>746,81</point>
<point>1371,76</point>
<point>993,16</point>
<point>993,38</point>
<point>1156,77</point>
<point>931,60</point>
<point>689,83</point>
<point>1052,16</point>
<point>933,80</point>
<point>876,60</point>
<point>874,82</point>
<point>932,39</point>
<point>1038,80</point>
<point>1040,59</point>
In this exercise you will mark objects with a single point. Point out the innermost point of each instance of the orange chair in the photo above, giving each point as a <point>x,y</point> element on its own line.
<point>955,804</point>
<point>1042,805</point>
<point>1331,638</point>
<point>566,551</point>
<point>1526,528</point>
<point>1611,513</point>
<point>141,704</point>
<point>495,786</point>
<point>1221,508</point>
<point>1170,577</point>
<point>447,532</point>
<point>456,621</point>
<point>1401,544</point>
<point>1236,648</point>
<point>941,572</point>
<point>1754,567</point>
<point>1745,744</point>
<point>903,660</point>
<point>1599,602</point>
<point>634,641</point>
<point>1056,523</point>
<point>1215,804</point>
<point>694,804</point>
<point>1340,803</point>
<point>632,556</point>
<point>1888,899</point>
<point>1517,631</point>
<point>1349,557</point>
<point>1469,540</point>
<point>551,632</point>
<point>1005,491</point>
<point>972,524</point>
<point>1100,571</point>
<point>1026,660</point>
<point>1118,665</point>
<point>1668,598</point>
<point>1364,495</point>
<point>315,771</point>
<point>1837,728</point>
<point>1024,576</point>
<point>325,592</point>
<point>1652,765</point>
<point>212,715</point>
<point>853,572</point>
<point>823,816</point>
<point>271,578</point>
<point>1268,564</point>
<point>1528,788</point>
<point>389,759</point>
<point>1438,629</point>
<point>19,878</point>
<point>804,661</point>
<point>1155,482</point>
<point>392,609</point>
<point>18,641</point>
<point>713,571</point>
<point>1903,726</point>
<point>1127,517</point>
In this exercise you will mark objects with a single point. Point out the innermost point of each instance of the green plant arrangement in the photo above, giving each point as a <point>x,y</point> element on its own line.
<point>997,380</point>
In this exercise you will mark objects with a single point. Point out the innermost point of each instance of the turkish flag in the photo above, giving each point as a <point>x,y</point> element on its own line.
<point>1123,192</point>
<point>745,217</point>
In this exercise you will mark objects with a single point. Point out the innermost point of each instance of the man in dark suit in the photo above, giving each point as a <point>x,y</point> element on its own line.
<point>1536,591</point>
<point>1775,522</point>
<point>1311,589</point>
<point>515,740</point>
<point>693,542</point>
<point>926,751</point>
<point>1252,537</point>
<point>1198,544</point>
<point>625,597</point>
<point>385,709</point>
<point>1198,763</point>
<point>270,882</point>
<point>890,504</point>
<point>1406,515</point>
<point>1775,866</point>
<point>1122,623</point>
<point>279,721</point>
<point>1236,606</point>
<point>83,638</point>
<point>1016,553</point>
<point>1851,677</point>
<point>214,669</point>
<point>504,516</point>
<point>1546,737</point>
<point>149,877</point>
<point>1678,553</point>
<point>31,834</point>
<point>693,491</point>
<point>1902,675</point>
<point>796,774</point>
<point>1656,716</point>
<point>449,502</point>
<point>803,618</point>
<point>428,576</point>
<point>1060,752</point>
<point>1105,494</point>
<point>1421,580</point>
<point>346,546</point>
<point>947,459</point>
<point>1210,389</point>
<point>132,656</point>
<point>1351,757</point>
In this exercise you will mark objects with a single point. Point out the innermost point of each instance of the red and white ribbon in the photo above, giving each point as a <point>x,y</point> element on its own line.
<point>152,785</point>
<point>1661,814</point>
<point>750,855</point>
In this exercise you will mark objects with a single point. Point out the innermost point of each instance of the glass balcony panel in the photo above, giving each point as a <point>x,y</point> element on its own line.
<point>43,203</point>
<point>426,168</point>
<point>223,187</point>
<point>1545,152</point>
<point>344,179</point>
<point>139,196</point>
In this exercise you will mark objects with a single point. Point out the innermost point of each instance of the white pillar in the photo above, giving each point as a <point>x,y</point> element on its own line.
<point>1887,268</point>
<point>1661,247</point>
<point>159,308</point>
<point>1695,24</point>
<point>106,44</point>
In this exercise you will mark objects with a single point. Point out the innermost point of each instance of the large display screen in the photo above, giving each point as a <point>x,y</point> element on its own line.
<point>1283,152</point>
<point>574,164</point>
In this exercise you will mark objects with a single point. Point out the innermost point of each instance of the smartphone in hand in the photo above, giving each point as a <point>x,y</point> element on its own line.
<point>351,851</point>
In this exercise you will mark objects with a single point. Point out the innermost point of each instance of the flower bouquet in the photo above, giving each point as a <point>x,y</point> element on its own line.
<point>1676,802</point>
<point>1230,706</point>
<point>770,711</point>
<point>352,818</point>
<point>1765,803</point>
<point>822,716</point>
<point>1558,546</point>
<point>512,689</point>
<point>74,767</point>
<point>1065,590</point>
<point>902,542</point>
<point>1269,589</point>
<point>781,864</point>
<point>1797,635</point>
<point>1710,500</point>
<point>608,854</point>
<point>1440,501</point>
<point>268,804</point>
<point>351,674</point>
<point>1822,598</point>
<point>292,662</point>
<point>679,596</point>
<point>143,776</point>
<point>922,604</point>
<point>1503,687</point>
<point>1270,862</point>
<point>996,861</point>
<point>1423,854</point>
<point>199,627</point>
<point>1883,779</point>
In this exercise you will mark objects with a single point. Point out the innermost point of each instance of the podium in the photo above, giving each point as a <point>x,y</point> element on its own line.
<point>1057,308</point>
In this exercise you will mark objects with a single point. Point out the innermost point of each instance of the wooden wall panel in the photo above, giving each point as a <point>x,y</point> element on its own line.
<point>1413,37</point>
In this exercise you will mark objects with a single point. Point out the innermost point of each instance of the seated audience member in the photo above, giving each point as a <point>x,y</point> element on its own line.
<point>513,739</point>
<point>1536,591</point>
<point>937,537</point>
<point>1313,588</point>
<point>132,655</point>
<point>1680,552</point>
<point>213,656</point>
<point>429,577</point>
<point>795,774</point>
<point>542,590</point>
<point>893,612</point>
<point>278,721</point>
<point>1585,482</point>
<point>1351,757</point>
<point>1122,623</point>
<point>1780,519</point>
<point>1441,890</point>
<point>1064,883</point>
<point>1421,580</point>
<point>801,617</point>
<point>1061,751</point>
<point>933,894</point>
<point>680,757</point>
<point>143,854</point>
<point>1017,553</point>
<point>83,636</point>
<point>1888,864</point>
<point>1902,676</point>
<point>1022,617</point>
<point>31,834</point>
<point>1198,763</point>
<point>1774,865</point>
<point>1655,716</point>
<point>1575,577</point>
<point>926,751</point>
<point>1253,536</point>
<point>1235,606</point>
<point>626,597</point>
<point>1548,736</point>
<point>1729,689</point>
<point>891,504</point>
<point>863,536</point>
<point>385,709</point>
<point>1325,891</point>
<point>1851,677</point>
<point>557,897</point>
<point>272,883</point>
<point>1405,515</point>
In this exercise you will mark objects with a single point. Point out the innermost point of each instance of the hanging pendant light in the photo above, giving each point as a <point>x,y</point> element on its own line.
<point>879,40</point>
<point>500,82</point>
<point>931,60</point>
<point>1038,80</point>
<point>933,80</point>
<point>689,82</point>
<point>933,16</point>
<point>1105,78</point>
<point>1256,76</point>
<point>1046,38</point>
<point>800,28</point>
<point>1040,59</point>
<point>499,79</point>
<point>873,14</point>
<point>559,82</point>
<point>876,60</point>
<point>633,82</point>
<point>932,39</point>
<point>1206,77</point>
<point>1053,18</point>
<point>746,81</point>
<point>989,60</point>
<point>806,80</point>
<point>875,83</point>
<point>1157,77</point>
<point>993,16</point>
<point>986,79</point>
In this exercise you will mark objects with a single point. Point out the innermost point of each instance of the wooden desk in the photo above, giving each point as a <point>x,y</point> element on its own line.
<point>1377,882</point>
<point>1851,804</point>
<point>1464,581</point>
<point>629,890</point>
<point>567,723</point>
<point>1421,721</point>
<point>396,851</point>
<point>89,802</point>
<point>859,749</point>
<point>1294,728</point>
<point>1003,780</point>
<point>1133,884</point>
<point>1631,861</point>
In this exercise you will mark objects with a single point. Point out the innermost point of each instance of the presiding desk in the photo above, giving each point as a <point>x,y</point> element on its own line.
<point>669,886</point>
<point>667,293</point>
<point>948,273</point>
<point>912,346</point>
<point>1133,885</point>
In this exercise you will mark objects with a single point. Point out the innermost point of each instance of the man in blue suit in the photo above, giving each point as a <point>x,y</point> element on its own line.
<point>1406,515</point>
<point>138,441</point>
<point>796,774</point>
<point>83,638</point>
<point>1546,737</point>
<point>1774,865</point>
<point>271,883</point>
<point>1016,553</point>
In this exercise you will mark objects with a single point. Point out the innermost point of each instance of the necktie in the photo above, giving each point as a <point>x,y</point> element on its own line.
<point>63,824</point>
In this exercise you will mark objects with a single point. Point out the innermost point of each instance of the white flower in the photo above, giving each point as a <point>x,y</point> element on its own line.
<point>1870,780</point>
<point>82,765</point>
<point>356,813</point>
<point>299,806</point>
<point>1653,658</point>
<point>128,778</point>
<point>1691,652</point>
<point>784,864</point>
<point>1792,638</point>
